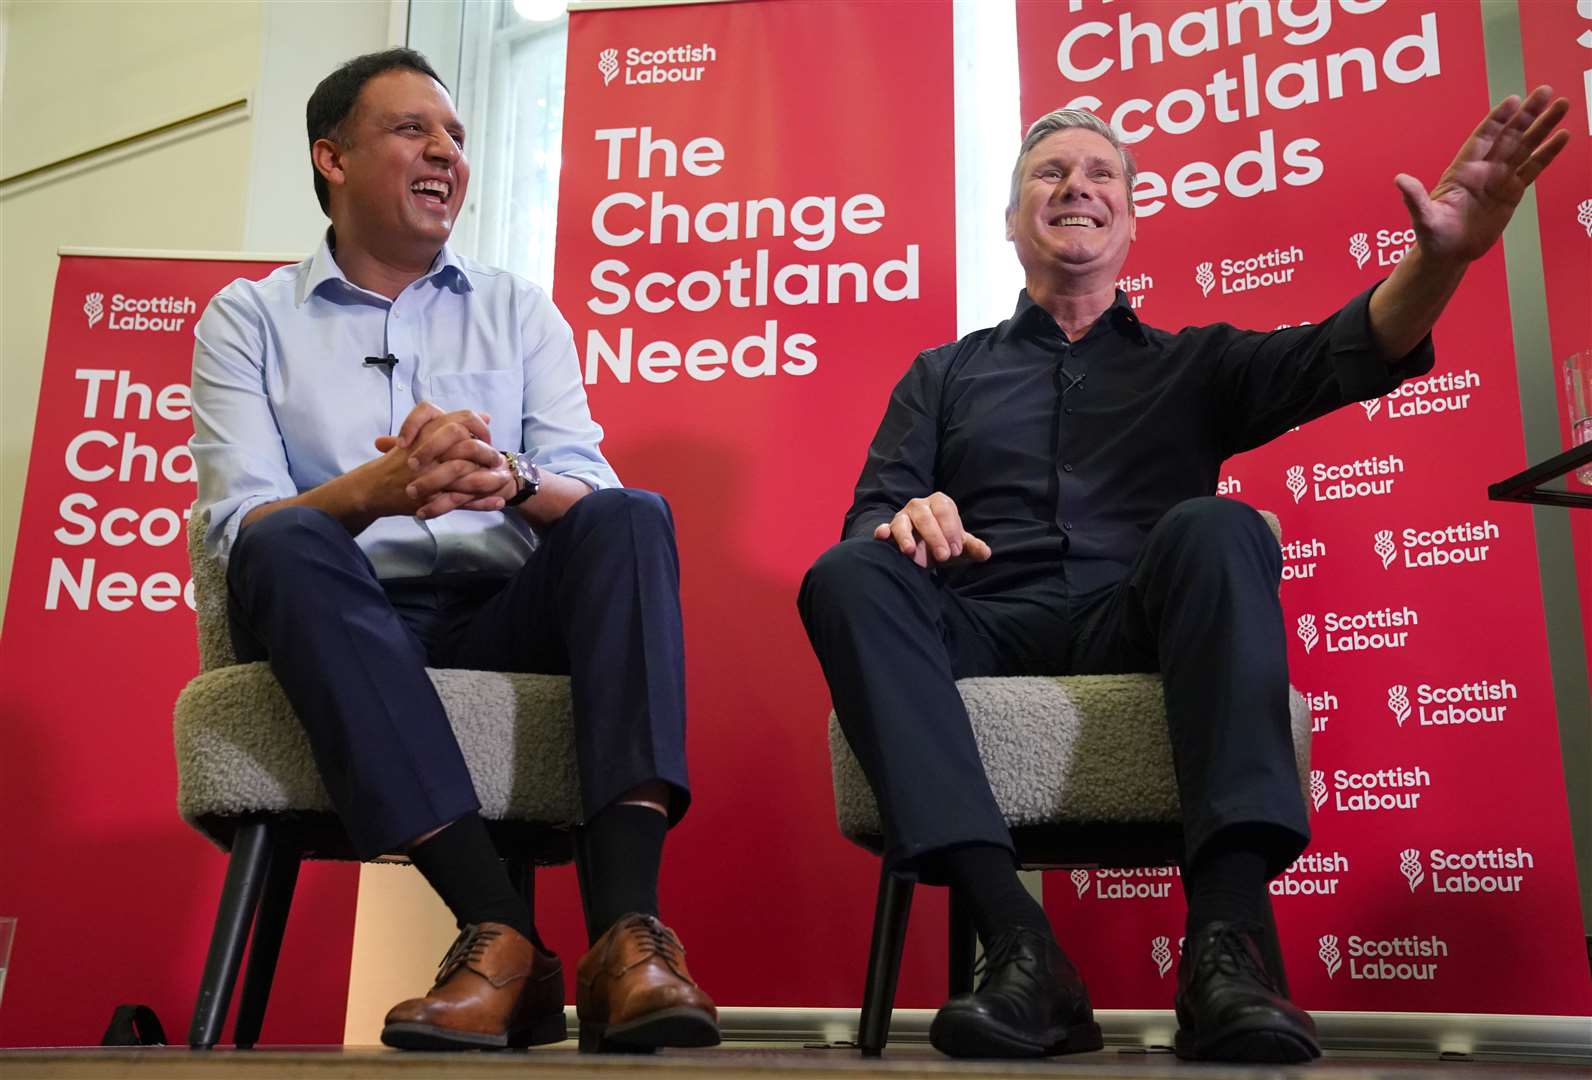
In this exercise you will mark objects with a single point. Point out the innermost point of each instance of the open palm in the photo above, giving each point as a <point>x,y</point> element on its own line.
<point>1466,212</point>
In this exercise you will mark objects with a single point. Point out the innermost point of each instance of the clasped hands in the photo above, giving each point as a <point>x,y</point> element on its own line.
<point>438,462</point>
<point>929,531</point>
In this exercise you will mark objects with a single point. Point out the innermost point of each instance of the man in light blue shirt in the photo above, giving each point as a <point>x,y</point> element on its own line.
<point>398,468</point>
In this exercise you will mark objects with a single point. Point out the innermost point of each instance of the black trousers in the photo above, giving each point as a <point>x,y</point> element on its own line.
<point>598,601</point>
<point>1198,605</point>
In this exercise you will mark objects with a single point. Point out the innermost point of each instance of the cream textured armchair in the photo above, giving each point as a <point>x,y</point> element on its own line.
<point>245,778</point>
<point>1081,767</point>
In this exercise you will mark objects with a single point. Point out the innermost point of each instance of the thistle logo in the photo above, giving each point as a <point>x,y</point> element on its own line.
<point>1161,953</point>
<point>1371,407</point>
<point>1398,703</point>
<point>1583,214</point>
<point>1328,951</point>
<point>1410,867</point>
<point>1204,278</point>
<point>1080,881</point>
<point>1296,482</point>
<point>1307,631</point>
<point>1385,548</point>
<point>1360,248</point>
<point>608,64</point>
<point>1318,788</point>
<point>94,308</point>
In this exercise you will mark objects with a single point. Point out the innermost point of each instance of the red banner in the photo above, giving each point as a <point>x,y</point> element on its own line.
<point>755,237</point>
<point>1556,37</point>
<point>115,896</point>
<point>1267,138</point>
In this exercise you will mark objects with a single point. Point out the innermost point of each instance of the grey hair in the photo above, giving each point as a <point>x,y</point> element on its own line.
<point>1061,120</point>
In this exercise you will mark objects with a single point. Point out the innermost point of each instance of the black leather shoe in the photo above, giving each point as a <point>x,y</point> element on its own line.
<point>1029,1002</point>
<point>1229,1008</point>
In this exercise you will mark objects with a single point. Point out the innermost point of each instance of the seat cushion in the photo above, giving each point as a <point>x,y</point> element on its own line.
<point>240,749</point>
<point>1077,749</point>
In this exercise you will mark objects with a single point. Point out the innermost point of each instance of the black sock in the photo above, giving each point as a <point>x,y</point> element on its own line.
<point>985,877</point>
<point>1228,881</point>
<point>463,867</point>
<point>623,849</point>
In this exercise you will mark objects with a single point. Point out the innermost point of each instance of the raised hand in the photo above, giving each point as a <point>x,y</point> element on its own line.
<point>1466,212</point>
<point>929,532</point>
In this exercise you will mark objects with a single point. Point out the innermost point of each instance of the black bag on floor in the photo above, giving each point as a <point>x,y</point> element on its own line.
<point>134,1025</point>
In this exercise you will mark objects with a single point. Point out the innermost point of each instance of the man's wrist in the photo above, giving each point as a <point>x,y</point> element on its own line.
<point>527,477</point>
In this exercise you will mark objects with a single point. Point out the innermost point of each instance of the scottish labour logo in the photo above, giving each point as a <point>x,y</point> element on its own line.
<point>1318,788</point>
<point>1161,953</point>
<point>1307,632</point>
<point>1371,407</point>
<point>608,64</point>
<point>1384,547</point>
<point>1583,215</point>
<point>1204,278</point>
<point>1360,248</point>
<point>94,308</point>
<point>1295,479</point>
<point>1398,703</point>
<point>1410,867</point>
<point>1080,881</point>
<point>1329,954</point>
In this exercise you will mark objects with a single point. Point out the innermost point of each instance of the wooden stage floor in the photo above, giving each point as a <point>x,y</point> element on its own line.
<point>732,1062</point>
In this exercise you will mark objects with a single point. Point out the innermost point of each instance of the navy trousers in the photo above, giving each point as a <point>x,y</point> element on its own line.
<point>1198,606</point>
<point>598,601</point>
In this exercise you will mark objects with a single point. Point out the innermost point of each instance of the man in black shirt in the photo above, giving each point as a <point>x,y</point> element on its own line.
<point>1039,499</point>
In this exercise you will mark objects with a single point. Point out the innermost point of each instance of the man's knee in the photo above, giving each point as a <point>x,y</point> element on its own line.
<point>849,570</point>
<point>633,506</point>
<point>286,537</point>
<point>1216,521</point>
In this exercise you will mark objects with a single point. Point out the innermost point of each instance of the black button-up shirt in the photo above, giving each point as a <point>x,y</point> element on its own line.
<point>1062,454</point>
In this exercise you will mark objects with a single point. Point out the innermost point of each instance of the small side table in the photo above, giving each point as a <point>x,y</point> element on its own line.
<point>1527,486</point>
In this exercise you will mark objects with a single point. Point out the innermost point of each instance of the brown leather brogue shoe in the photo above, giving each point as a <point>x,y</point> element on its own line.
<point>495,989</point>
<point>633,992</point>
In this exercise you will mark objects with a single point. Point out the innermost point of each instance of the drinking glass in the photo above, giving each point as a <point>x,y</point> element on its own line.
<point>8,931</point>
<point>1578,397</point>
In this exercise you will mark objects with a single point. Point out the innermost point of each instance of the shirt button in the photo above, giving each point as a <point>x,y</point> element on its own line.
<point>1067,411</point>
<point>1067,525</point>
<point>1066,468</point>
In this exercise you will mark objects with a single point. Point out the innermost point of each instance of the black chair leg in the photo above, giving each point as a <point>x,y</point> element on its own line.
<point>964,945</point>
<point>890,915</point>
<point>265,945</point>
<point>240,895</point>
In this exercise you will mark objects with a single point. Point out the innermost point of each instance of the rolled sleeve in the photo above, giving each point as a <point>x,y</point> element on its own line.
<point>900,464</point>
<point>1264,383</point>
<point>237,448</point>
<point>558,432</point>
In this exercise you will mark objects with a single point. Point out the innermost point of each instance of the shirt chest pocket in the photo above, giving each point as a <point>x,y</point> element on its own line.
<point>498,393</point>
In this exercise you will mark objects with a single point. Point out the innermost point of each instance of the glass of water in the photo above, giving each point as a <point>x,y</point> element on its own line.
<point>8,931</point>
<point>1578,397</point>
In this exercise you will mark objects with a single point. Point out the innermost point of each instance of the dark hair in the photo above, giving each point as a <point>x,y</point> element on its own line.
<point>334,99</point>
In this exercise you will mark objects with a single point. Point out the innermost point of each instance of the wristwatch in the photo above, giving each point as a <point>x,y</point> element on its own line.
<point>526,475</point>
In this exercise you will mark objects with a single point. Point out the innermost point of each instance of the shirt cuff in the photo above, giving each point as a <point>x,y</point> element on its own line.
<point>219,540</point>
<point>1362,372</point>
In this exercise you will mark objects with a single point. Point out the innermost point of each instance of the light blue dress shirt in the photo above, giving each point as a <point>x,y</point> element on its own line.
<point>283,401</point>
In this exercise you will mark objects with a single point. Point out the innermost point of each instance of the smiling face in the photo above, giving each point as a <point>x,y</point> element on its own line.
<point>398,175</point>
<point>1074,216</point>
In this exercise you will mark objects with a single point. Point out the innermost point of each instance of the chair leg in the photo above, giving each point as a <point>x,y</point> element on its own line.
<point>265,945</point>
<point>890,915</point>
<point>240,895</point>
<point>964,944</point>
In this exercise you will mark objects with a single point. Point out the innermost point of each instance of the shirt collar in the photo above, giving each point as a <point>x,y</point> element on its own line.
<point>322,274</point>
<point>1029,318</point>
